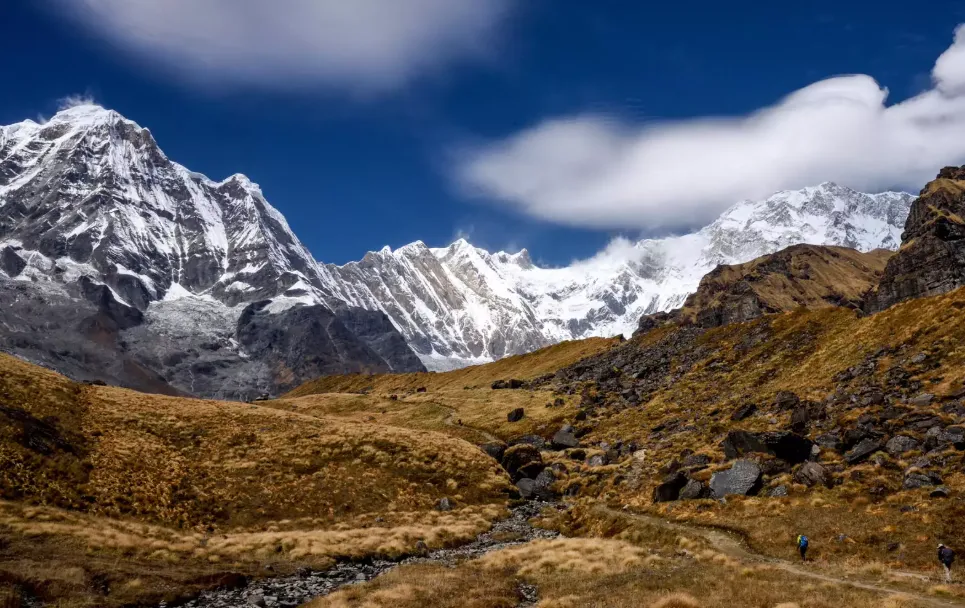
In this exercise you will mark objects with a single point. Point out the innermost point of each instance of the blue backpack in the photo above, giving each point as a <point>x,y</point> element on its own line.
<point>803,542</point>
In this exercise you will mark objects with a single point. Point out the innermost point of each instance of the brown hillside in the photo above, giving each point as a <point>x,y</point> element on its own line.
<point>806,276</point>
<point>524,367</point>
<point>182,489</point>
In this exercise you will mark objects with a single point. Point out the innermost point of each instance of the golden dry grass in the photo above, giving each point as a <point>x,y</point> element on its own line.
<point>178,489</point>
<point>523,367</point>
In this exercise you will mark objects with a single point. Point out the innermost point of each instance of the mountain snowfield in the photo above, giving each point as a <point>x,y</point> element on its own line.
<point>462,305</point>
<point>89,193</point>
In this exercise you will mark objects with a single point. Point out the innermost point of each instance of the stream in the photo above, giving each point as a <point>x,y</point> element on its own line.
<point>295,590</point>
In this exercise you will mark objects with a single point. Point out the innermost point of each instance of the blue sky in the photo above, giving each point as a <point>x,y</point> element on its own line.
<point>512,124</point>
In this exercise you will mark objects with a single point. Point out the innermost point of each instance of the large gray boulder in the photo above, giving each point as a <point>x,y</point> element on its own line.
<point>811,474</point>
<point>743,478</point>
<point>565,439</point>
<point>899,444</point>
<point>864,449</point>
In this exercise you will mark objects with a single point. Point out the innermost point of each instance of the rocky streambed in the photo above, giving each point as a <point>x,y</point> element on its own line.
<point>291,591</point>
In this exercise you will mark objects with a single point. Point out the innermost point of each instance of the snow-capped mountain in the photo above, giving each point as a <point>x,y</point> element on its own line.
<point>204,284</point>
<point>191,277</point>
<point>461,304</point>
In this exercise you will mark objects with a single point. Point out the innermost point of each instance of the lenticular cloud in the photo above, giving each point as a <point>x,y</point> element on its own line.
<point>358,44</point>
<point>589,170</point>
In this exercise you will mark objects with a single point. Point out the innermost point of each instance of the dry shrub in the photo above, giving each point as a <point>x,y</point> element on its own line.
<point>676,600</point>
<point>572,555</point>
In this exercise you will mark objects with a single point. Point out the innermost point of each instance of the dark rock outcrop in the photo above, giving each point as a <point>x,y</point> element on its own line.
<point>669,490</point>
<point>784,445</point>
<point>743,478</point>
<point>516,415</point>
<point>565,438</point>
<point>523,460</point>
<point>931,260</point>
<point>862,451</point>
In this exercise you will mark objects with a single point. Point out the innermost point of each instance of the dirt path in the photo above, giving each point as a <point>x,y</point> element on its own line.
<point>733,546</point>
<point>451,420</point>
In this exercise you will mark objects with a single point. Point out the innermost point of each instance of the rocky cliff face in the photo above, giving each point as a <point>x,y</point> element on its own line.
<point>931,259</point>
<point>801,276</point>
<point>460,304</point>
<point>165,266</point>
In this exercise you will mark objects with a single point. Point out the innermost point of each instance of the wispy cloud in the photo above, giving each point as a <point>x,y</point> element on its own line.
<point>365,45</point>
<point>593,171</point>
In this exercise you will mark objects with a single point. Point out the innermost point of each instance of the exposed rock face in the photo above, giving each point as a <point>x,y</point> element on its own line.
<point>807,276</point>
<point>92,212</point>
<point>743,478</point>
<point>931,260</point>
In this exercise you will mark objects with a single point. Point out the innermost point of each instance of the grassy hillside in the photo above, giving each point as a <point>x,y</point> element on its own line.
<point>180,489</point>
<point>523,367</point>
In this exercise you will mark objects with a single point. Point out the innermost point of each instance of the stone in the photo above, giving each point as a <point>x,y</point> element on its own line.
<point>542,487</point>
<point>11,263</point>
<point>696,461</point>
<point>784,445</point>
<point>444,504</point>
<point>918,479</point>
<point>597,460</point>
<point>829,441</point>
<point>577,454</point>
<point>516,415</point>
<point>954,436</point>
<point>527,488</point>
<point>495,449</point>
<point>923,399</point>
<point>565,439</point>
<point>743,478</point>
<point>800,418</point>
<point>862,451</point>
<point>669,490</point>
<point>811,474</point>
<point>534,440</point>
<point>786,400</point>
<point>693,490</point>
<point>522,456</point>
<point>257,600</point>
<point>738,443</point>
<point>778,492</point>
<point>580,416</point>
<point>899,444</point>
<point>743,412</point>
<point>940,492</point>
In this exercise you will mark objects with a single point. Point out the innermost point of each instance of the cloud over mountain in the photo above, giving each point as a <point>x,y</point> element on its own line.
<point>358,44</point>
<point>596,171</point>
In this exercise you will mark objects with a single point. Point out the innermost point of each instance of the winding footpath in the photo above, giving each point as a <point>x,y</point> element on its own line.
<point>733,546</point>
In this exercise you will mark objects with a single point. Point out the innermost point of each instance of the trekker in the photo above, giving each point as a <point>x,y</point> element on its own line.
<point>802,545</point>
<point>946,556</point>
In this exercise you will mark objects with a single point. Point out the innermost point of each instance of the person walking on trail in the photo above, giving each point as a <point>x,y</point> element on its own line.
<point>802,546</point>
<point>946,556</point>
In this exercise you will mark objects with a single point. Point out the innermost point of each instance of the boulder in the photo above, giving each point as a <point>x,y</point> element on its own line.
<point>743,478</point>
<point>597,460</point>
<point>811,474</point>
<point>829,441</point>
<point>696,461</point>
<point>918,479</point>
<point>861,452</point>
<point>694,490</point>
<point>739,443</point>
<point>743,412</point>
<point>527,488</point>
<point>495,449</point>
<point>786,400</point>
<point>519,457</point>
<point>922,399</point>
<point>444,504</point>
<point>788,446</point>
<point>539,488</point>
<point>899,444</point>
<point>516,415</point>
<point>778,492</point>
<point>669,490</point>
<point>565,439</point>
<point>940,492</point>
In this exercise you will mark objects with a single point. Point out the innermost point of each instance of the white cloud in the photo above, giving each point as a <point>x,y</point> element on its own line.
<point>593,171</point>
<point>358,44</point>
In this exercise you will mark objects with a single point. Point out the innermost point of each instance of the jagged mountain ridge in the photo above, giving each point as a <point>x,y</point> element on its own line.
<point>461,304</point>
<point>205,280</point>
<point>89,193</point>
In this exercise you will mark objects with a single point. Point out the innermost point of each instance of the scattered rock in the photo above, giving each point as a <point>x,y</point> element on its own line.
<point>669,490</point>
<point>565,439</point>
<point>577,454</point>
<point>899,444</point>
<point>743,412</point>
<point>811,474</point>
<point>257,600</point>
<point>694,490</point>
<point>444,504</point>
<point>786,400</point>
<point>738,443</point>
<point>496,449</point>
<point>923,399</point>
<point>862,451</point>
<point>516,415</point>
<point>743,478</point>
<point>520,457</point>
<point>778,492</point>
<point>421,389</point>
<point>580,416</point>
<point>829,441</point>
<point>696,460</point>
<point>940,492</point>
<point>916,480</point>
<point>534,440</point>
<point>512,383</point>
<point>597,460</point>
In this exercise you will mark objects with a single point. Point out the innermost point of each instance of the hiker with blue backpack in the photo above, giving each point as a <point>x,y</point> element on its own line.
<point>946,556</point>
<point>802,545</point>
